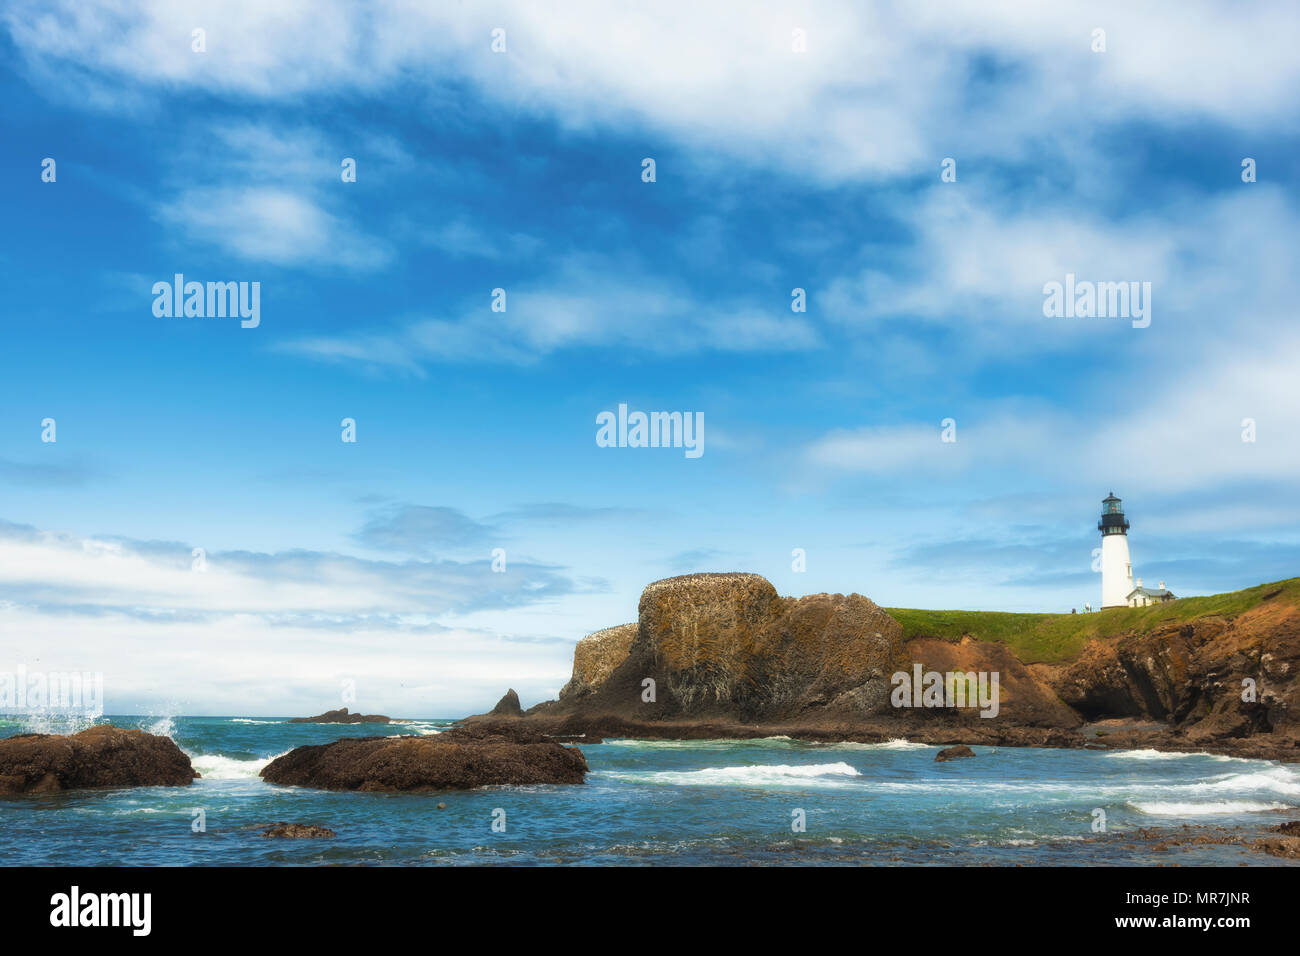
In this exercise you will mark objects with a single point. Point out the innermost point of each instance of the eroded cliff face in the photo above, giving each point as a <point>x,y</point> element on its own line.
<point>726,645</point>
<point>1211,677</point>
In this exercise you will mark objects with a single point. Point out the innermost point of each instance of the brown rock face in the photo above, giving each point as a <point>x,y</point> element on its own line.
<point>1194,675</point>
<point>342,716</point>
<point>454,760</point>
<point>97,758</point>
<point>1022,700</point>
<point>596,657</point>
<point>725,645</point>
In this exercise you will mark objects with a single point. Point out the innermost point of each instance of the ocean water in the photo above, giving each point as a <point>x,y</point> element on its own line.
<point>667,802</point>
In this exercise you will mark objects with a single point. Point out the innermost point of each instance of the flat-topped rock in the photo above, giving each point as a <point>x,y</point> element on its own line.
<point>458,759</point>
<point>97,758</point>
<point>342,716</point>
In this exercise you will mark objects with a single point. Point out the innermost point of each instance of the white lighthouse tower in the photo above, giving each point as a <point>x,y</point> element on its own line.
<point>1116,565</point>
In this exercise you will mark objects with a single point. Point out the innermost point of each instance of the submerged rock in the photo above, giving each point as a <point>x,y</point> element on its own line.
<point>99,757</point>
<point>457,759</point>
<point>954,753</point>
<point>342,716</point>
<point>297,831</point>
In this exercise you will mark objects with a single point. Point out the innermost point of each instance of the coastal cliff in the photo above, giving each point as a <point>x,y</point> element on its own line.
<point>725,655</point>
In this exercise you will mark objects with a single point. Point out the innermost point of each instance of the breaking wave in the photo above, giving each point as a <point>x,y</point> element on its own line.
<point>776,775</point>
<point>1166,808</point>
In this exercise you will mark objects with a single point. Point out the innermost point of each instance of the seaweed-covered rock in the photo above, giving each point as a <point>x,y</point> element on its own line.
<point>297,831</point>
<point>454,760</point>
<point>99,757</point>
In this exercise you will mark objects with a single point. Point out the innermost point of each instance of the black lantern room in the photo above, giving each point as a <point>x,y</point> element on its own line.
<point>1112,516</point>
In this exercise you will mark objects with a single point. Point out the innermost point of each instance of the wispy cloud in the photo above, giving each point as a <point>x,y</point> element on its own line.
<point>588,302</point>
<point>872,95</point>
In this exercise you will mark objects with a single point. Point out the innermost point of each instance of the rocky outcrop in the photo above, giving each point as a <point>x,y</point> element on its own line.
<point>458,759</point>
<point>508,706</point>
<point>342,716</point>
<point>726,645</point>
<point>297,831</point>
<point>1211,680</point>
<point>724,655</point>
<point>97,758</point>
<point>596,657</point>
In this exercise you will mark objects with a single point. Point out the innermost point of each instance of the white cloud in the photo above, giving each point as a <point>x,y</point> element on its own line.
<point>878,92</point>
<point>271,224</point>
<point>270,634</point>
<point>1172,434</point>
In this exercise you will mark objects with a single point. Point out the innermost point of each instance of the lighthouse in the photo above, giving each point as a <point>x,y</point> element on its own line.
<point>1116,565</point>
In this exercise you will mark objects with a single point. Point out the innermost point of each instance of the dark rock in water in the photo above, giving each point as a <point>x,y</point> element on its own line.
<point>97,758</point>
<point>458,759</point>
<point>508,706</point>
<point>297,831</point>
<point>954,753</point>
<point>1290,828</point>
<point>342,717</point>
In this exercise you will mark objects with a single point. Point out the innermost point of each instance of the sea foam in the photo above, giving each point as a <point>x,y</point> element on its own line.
<point>221,767</point>
<point>772,775</point>
<point>1164,808</point>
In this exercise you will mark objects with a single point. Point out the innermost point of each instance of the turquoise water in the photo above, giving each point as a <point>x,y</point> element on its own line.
<point>676,802</point>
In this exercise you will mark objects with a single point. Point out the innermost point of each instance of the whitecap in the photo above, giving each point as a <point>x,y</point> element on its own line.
<point>771,775</point>
<point>1166,808</point>
<point>221,767</point>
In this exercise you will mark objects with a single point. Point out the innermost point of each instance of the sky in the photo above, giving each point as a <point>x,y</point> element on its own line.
<point>795,146</point>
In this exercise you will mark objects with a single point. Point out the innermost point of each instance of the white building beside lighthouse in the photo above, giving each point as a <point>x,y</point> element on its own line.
<point>1117,588</point>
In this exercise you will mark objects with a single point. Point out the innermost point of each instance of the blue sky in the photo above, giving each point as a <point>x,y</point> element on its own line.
<point>370,562</point>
